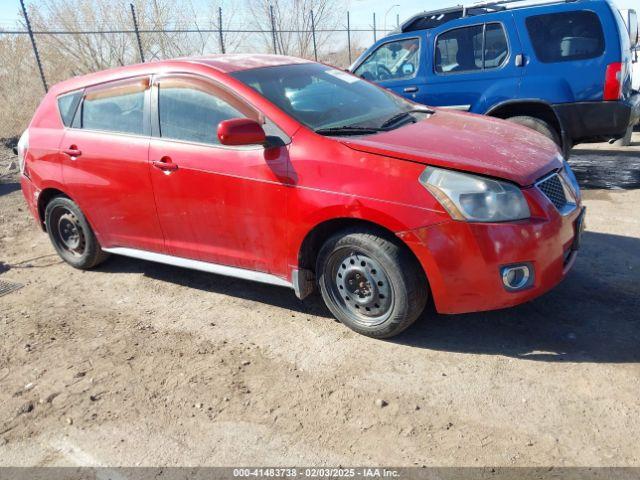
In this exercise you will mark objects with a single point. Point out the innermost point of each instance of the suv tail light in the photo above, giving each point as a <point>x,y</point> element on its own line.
<point>23,145</point>
<point>613,82</point>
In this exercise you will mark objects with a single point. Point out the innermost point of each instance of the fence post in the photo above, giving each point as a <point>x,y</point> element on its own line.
<point>349,36</point>
<point>313,35</point>
<point>397,20</point>
<point>135,26</point>
<point>273,29</point>
<point>375,37</point>
<point>220,29</point>
<point>35,47</point>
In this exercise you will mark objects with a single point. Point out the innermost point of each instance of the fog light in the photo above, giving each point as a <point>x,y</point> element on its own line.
<point>517,277</point>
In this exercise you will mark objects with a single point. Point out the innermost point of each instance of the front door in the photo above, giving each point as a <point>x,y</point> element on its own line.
<point>105,165</point>
<point>397,65</point>
<point>216,203</point>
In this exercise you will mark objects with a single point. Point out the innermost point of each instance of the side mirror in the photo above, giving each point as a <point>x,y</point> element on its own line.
<point>241,131</point>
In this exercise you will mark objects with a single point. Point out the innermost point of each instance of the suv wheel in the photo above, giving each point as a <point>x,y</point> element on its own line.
<point>371,284</point>
<point>71,234</point>
<point>539,126</point>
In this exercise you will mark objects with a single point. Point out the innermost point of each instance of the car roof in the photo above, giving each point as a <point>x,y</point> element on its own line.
<point>228,63</point>
<point>223,63</point>
<point>435,18</point>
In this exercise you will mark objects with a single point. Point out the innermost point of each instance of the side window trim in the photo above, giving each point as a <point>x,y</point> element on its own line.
<point>76,124</point>
<point>154,112</point>
<point>504,62</point>
<point>404,39</point>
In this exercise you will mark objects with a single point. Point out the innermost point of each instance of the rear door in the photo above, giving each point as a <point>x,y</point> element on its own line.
<point>105,164</point>
<point>474,64</point>
<point>567,51</point>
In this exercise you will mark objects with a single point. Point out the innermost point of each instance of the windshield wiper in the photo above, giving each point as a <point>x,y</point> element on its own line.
<point>348,130</point>
<point>403,115</point>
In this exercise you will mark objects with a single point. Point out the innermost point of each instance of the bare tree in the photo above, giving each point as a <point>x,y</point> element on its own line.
<point>292,20</point>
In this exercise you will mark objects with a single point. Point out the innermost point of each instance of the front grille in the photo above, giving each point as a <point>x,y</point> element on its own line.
<point>552,188</point>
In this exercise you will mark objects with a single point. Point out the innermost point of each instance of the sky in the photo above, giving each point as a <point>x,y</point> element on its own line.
<point>361,11</point>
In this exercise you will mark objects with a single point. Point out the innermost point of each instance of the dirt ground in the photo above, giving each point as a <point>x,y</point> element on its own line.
<point>142,364</point>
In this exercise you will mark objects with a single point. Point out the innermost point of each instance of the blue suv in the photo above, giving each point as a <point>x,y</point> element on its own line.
<point>563,68</point>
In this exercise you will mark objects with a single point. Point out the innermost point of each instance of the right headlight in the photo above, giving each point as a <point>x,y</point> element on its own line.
<point>474,198</point>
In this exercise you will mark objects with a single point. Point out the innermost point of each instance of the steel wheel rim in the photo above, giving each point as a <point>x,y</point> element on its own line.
<point>67,232</point>
<point>360,286</point>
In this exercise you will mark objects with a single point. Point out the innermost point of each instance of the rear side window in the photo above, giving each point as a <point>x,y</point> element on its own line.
<point>468,49</point>
<point>566,36</point>
<point>67,105</point>
<point>190,109</point>
<point>115,108</point>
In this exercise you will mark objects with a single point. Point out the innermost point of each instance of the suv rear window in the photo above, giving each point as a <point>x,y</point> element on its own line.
<point>566,36</point>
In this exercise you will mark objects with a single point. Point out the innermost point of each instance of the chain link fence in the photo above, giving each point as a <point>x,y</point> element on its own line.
<point>36,56</point>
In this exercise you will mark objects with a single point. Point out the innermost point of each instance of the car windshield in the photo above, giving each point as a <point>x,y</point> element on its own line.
<point>326,99</point>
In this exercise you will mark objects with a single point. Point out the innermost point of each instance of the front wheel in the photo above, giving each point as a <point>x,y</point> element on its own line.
<point>370,283</point>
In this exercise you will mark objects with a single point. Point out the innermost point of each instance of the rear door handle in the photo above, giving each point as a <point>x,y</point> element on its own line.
<point>165,164</point>
<point>73,151</point>
<point>410,89</point>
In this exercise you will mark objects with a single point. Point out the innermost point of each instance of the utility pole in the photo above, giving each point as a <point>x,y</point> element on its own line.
<point>35,47</point>
<point>135,26</point>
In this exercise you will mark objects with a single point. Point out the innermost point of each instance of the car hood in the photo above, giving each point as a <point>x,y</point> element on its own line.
<point>468,142</point>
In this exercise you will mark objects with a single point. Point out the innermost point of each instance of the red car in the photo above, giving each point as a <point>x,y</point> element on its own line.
<point>293,173</point>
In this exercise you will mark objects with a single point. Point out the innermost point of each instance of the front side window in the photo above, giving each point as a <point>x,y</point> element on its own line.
<point>321,97</point>
<point>115,108</point>
<point>469,49</point>
<point>566,36</point>
<point>392,61</point>
<point>190,109</point>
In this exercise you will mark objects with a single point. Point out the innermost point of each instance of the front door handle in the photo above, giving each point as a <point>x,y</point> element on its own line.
<point>72,151</point>
<point>165,164</point>
<point>410,89</point>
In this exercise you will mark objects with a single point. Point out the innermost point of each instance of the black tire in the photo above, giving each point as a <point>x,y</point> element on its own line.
<point>390,293</point>
<point>71,234</point>
<point>539,126</point>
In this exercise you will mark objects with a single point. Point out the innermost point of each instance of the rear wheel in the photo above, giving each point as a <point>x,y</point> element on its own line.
<point>370,283</point>
<point>539,126</point>
<point>71,234</point>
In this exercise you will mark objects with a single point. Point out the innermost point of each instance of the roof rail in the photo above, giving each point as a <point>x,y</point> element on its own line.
<point>529,3</point>
<point>434,18</point>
